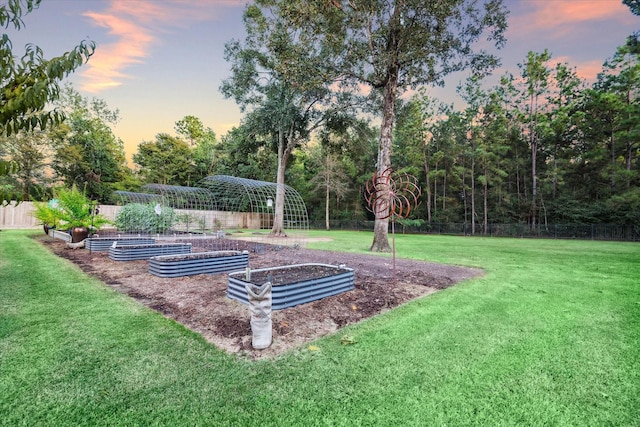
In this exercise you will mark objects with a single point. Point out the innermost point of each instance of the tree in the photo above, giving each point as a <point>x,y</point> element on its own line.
<point>634,39</point>
<point>87,153</point>
<point>621,80</point>
<point>561,118</point>
<point>246,155</point>
<point>204,148</point>
<point>634,6</point>
<point>30,83</point>
<point>610,156</point>
<point>8,191</point>
<point>330,178</point>
<point>190,127</point>
<point>205,155</point>
<point>167,160</point>
<point>27,85</point>
<point>391,46</point>
<point>29,152</point>
<point>414,140</point>
<point>536,76</point>
<point>280,74</point>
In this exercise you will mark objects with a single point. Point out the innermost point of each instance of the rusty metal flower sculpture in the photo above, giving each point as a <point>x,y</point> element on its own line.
<point>392,195</point>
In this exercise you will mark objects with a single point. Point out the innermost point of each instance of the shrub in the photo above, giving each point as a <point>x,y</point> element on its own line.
<point>146,218</point>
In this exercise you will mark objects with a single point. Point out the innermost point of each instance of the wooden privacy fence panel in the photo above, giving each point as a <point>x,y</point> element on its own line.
<point>19,216</point>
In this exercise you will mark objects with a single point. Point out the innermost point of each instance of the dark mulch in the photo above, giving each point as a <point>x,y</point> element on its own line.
<point>200,302</point>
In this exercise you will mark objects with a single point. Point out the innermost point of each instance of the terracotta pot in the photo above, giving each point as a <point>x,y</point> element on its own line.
<point>78,234</point>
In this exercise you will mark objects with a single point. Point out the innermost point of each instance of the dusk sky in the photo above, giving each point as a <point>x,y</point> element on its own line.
<point>160,60</point>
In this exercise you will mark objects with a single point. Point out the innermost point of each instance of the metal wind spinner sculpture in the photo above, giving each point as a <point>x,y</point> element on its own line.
<point>392,195</point>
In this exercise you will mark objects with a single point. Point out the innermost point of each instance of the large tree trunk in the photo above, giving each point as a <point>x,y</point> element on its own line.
<point>284,150</point>
<point>381,226</point>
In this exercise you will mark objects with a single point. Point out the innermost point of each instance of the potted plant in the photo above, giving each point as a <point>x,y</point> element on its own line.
<point>48,214</point>
<point>79,213</point>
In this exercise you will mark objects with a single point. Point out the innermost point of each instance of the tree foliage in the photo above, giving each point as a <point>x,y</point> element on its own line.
<point>391,46</point>
<point>30,82</point>
<point>28,152</point>
<point>167,160</point>
<point>203,144</point>
<point>280,76</point>
<point>86,152</point>
<point>538,150</point>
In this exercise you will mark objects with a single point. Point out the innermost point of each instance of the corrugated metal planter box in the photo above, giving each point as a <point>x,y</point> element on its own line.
<point>198,263</point>
<point>63,235</point>
<point>104,243</point>
<point>293,284</point>
<point>135,252</point>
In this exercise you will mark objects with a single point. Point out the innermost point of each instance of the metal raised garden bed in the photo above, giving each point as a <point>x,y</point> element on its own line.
<point>98,244</point>
<point>62,235</point>
<point>198,263</point>
<point>293,284</point>
<point>135,252</point>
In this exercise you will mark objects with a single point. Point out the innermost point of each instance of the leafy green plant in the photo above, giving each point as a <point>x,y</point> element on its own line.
<point>47,214</point>
<point>149,218</point>
<point>77,210</point>
<point>72,208</point>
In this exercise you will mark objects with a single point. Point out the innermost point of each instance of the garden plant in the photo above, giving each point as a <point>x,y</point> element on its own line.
<point>70,209</point>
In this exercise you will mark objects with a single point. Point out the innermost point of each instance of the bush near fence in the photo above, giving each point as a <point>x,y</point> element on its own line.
<point>549,231</point>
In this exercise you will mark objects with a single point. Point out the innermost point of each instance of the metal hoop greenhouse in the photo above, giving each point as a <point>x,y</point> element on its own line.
<point>220,207</point>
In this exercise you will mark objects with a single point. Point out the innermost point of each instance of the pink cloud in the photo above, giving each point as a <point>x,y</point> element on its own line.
<point>559,15</point>
<point>589,70</point>
<point>104,69</point>
<point>586,70</point>
<point>136,28</point>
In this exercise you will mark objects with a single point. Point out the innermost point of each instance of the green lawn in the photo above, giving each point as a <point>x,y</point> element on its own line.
<point>549,336</point>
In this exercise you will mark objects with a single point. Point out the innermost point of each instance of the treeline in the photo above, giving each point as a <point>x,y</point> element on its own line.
<point>539,147</point>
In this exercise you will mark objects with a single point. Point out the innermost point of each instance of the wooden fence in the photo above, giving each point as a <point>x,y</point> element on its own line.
<point>17,216</point>
<point>20,216</point>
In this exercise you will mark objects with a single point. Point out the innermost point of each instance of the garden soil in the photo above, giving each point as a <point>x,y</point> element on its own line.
<point>200,303</point>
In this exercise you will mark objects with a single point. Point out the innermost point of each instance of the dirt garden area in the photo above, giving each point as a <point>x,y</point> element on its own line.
<point>200,302</point>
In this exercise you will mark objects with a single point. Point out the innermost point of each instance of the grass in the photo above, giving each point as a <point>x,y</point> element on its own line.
<point>549,336</point>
